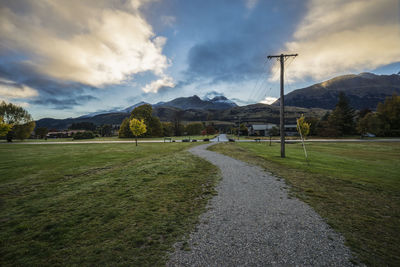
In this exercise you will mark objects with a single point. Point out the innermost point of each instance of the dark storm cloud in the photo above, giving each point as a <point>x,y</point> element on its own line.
<point>52,93</point>
<point>64,103</point>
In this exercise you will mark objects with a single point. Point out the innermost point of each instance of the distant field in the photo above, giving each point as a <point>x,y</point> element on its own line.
<point>114,138</point>
<point>354,186</point>
<point>98,204</point>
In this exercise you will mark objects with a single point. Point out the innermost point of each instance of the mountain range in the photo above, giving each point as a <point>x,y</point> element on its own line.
<point>364,90</point>
<point>219,102</point>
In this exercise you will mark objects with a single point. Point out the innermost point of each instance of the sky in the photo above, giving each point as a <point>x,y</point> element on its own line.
<point>67,58</point>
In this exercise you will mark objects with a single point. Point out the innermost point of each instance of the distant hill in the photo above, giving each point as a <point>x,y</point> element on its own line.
<point>257,113</point>
<point>194,102</point>
<point>364,90</point>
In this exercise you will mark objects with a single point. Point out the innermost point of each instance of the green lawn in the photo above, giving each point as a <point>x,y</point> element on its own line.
<point>98,204</point>
<point>113,138</point>
<point>354,186</point>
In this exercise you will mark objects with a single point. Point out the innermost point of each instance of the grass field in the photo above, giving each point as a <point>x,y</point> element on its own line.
<point>113,138</point>
<point>354,186</point>
<point>98,204</point>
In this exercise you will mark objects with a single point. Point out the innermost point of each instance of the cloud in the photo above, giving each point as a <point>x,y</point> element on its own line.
<point>156,85</point>
<point>12,90</point>
<point>250,4</point>
<point>168,20</point>
<point>268,100</point>
<point>341,36</point>
<point>64,103</point>
<point>89,42</point>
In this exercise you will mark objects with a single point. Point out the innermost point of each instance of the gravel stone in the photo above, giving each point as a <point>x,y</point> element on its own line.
<point>253,222</point>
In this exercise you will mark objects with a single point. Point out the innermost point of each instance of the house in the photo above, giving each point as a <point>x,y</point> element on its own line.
<point>291,130</point>
<point>260,129</point>
<point>63,134</point>
<point>263,129</point>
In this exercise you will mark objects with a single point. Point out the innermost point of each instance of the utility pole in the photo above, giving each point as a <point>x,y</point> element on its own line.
<point>282,58</point>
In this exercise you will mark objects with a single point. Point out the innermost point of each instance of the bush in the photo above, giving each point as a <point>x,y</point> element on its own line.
<point>83,135</point>
<point>206,139</point>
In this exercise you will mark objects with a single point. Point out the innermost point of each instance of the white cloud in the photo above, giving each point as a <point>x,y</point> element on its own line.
<point>92,42</point>
<point>268,100</point>
<point>154,86</point>
<point>168,20</point>
<point>12,90</point>
<point>250,4</point>
<point>341,36</point>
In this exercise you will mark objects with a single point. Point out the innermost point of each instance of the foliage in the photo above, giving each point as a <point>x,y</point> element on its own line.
<point>41,132</point>
<point>176,122</point>
<point>144,112</point>
<point>124,130</point>
<point>303,127</point>
<point>194,128</point>
<point>23,131</point>
<point>210,130</point>
<point>274,131</point>
<point>4,127</point>
<point>137,127</point>
<point>371,123</point>
<point>84,125</point>
<point>84,135</point>
<point>389,112</point>
<point>85,205</point>
<point>19,118</point>
<point>313,122</point>
<point>168,129</point>
<point>341,121</point>
<point>13,114</point>
<point>243,129</point>
<point>106,130</point>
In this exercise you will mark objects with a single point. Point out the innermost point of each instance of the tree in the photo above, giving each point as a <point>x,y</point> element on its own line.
<point>23,131</point>
<point>19,118</point>
<point>124,130</point>
<point>303,127</point>
<point>389,112</point>
<point>274,131</point>
<point>138,127</point>
<point>243,129</point>
<point>106,130</point>
<point>153,124</point>
<point>84,125</point>
<point>313,122</point>
<point>341,121</point>
<point>210,130</point>
<point>194,128</point>
<point>168,129</point>
<point>41,132</point>
<point>371,123</point>
<point>4,127</point>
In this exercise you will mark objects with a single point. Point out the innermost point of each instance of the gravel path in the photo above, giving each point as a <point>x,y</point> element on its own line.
<point>253,222</point>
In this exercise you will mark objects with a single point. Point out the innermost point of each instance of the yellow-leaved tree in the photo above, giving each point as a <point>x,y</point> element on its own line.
<point>137,128</point>
<point>4,127</point>
<point>304,129</point>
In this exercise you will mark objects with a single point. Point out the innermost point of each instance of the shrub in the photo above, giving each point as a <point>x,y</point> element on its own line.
<point>84,135</point>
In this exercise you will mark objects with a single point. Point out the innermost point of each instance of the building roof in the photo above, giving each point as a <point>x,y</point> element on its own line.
<point>262,127</point>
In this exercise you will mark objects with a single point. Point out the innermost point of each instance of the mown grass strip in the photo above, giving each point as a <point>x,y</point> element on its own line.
<point>354,186</point>
<point>92,204</point>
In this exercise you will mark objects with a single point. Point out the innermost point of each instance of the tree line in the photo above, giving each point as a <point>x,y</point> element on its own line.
<point>346,121</point>
<point>156,128</point>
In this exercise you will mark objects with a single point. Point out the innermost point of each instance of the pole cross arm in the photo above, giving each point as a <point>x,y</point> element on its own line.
<point>283,55</point>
